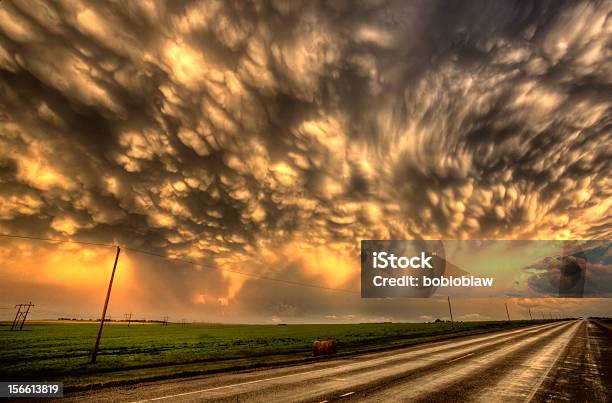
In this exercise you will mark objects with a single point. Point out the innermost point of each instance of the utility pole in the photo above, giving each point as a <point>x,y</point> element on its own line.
<point>21,315</point>
<point>128,318</point>
<point>108,293</point>
<point>507,311</point>
<point>17,315</point>
<point>530,317</point>
<point>450,310</point>
<point>25,315</point>
<point>165,321</point>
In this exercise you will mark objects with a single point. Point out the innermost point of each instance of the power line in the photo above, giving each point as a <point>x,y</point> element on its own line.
<point>196,264</point>
<point>64,314</point>
<point>241,273</point>
<point>55,240</point>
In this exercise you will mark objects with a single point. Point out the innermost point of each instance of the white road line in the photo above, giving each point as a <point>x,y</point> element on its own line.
<point>347,394</point>
<point>463,356</point>
<point>229,386</point>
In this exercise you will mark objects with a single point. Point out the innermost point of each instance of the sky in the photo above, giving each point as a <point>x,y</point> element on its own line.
<point>269,138</point>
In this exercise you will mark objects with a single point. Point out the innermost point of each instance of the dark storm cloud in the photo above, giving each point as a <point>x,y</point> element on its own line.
<point>581,273</point>
<point>225,132</point>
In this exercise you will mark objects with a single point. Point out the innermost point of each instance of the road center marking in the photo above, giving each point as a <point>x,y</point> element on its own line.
<point>463,356</point>
<point>229,386</point>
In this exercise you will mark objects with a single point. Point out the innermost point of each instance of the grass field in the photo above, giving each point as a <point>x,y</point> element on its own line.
<point>47,351</point>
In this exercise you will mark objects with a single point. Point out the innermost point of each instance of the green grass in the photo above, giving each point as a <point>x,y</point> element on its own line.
<point>47,351</point>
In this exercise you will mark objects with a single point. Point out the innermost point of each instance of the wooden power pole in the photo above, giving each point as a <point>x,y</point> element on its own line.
<point>450,310</point>
<point>25,315</point>
<point>21,315</point>
<point>128,318</point>
<point>17,315</point>
<point>108,293</point>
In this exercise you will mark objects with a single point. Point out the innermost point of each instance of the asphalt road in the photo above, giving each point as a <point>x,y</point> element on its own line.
<point>564,361</point>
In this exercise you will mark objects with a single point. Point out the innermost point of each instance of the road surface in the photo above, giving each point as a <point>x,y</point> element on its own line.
<point>563,361</point>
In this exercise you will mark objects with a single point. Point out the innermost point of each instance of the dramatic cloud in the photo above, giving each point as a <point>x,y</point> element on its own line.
<point>270,137</point>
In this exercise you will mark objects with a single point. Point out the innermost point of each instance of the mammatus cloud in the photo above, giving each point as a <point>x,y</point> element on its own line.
<point>273,136</point>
